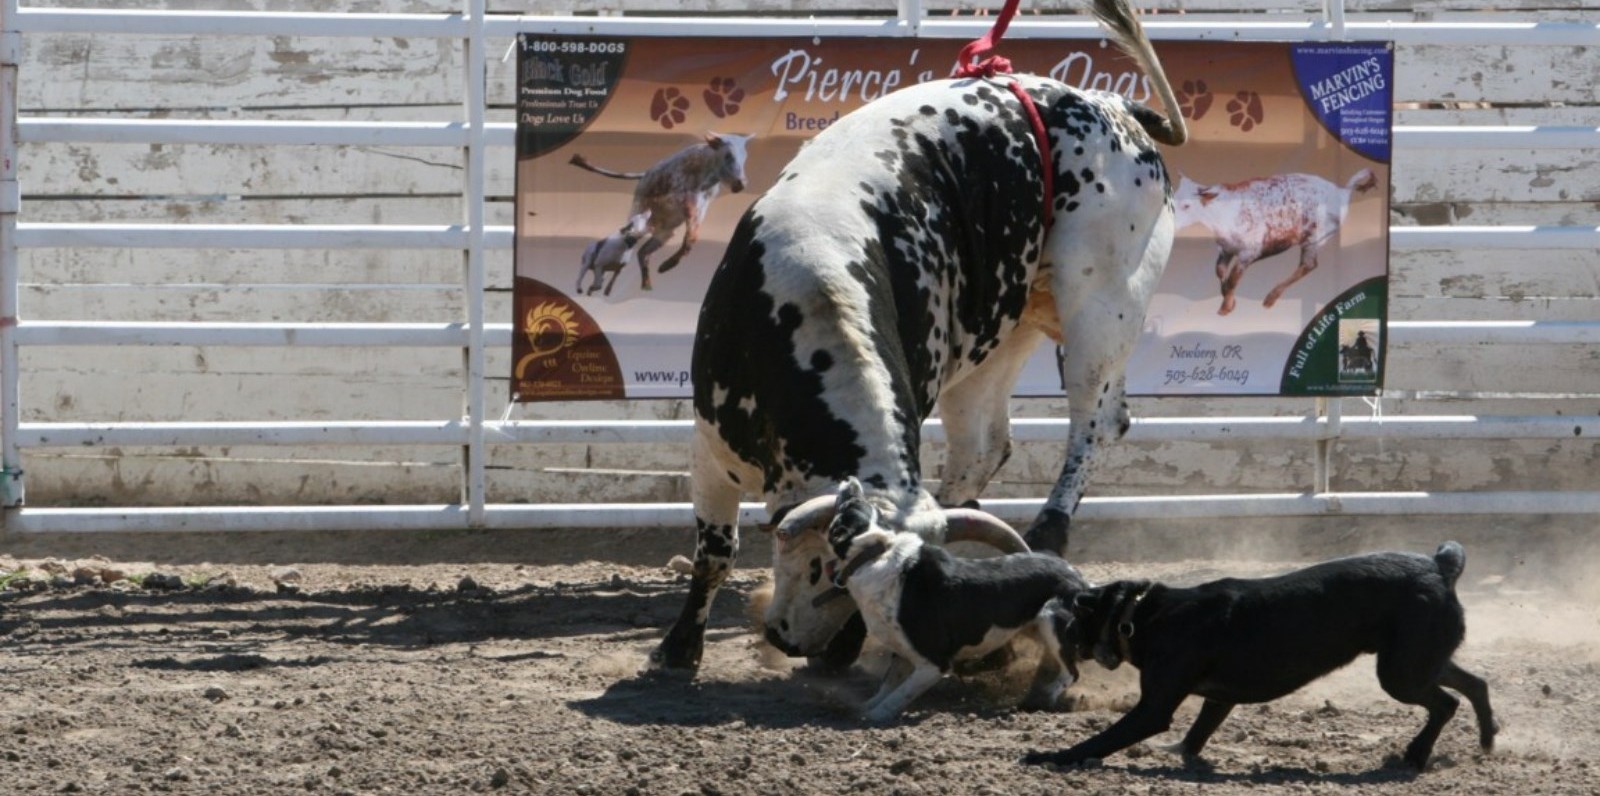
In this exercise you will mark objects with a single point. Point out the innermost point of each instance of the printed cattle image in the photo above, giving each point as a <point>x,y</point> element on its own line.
<point>1257,218</point>
<point>677,191</point>
<point>908,258</point>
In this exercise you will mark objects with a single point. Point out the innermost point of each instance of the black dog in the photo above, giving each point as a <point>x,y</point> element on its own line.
<point>932,609</point>
<point>1238,641</point>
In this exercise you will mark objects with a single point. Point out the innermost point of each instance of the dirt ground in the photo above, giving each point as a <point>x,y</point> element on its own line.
<point>371,672</point>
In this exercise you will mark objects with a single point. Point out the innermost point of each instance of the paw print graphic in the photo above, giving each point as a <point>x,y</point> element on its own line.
<point>669,107</point>
<point>1194,99</point>
<point>723,97</point>
<point>1245,111</point>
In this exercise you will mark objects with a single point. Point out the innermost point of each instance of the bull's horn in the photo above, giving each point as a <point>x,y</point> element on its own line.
<point>972,525</point>
<point>814,513</point>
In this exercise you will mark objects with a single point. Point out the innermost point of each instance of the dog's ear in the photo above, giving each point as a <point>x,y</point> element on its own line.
<point>1084,602</point>
<point>853,516</point>
<point>851,489</point>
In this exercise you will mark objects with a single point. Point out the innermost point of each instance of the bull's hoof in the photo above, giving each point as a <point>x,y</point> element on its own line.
<point>1049,532</point>
<point>677,655</point>
<point>671,263</point>
<point>843,649</point>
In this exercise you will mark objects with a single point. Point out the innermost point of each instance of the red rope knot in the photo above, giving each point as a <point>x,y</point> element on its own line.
<point>988,67</point>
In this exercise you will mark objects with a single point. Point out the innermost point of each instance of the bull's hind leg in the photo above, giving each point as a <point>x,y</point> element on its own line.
<point>693,211</point>
<point>1308,263</point>
<point>716,519</point>
<point>1099,336</point>
<point>1103,275</point>
<point>977,419</point>
<point>643,258</point>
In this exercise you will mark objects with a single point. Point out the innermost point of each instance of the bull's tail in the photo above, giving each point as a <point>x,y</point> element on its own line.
<point>1362,181</point>
<point>583,163</point>
<point>1122,21</point>
<point>1450,559</point>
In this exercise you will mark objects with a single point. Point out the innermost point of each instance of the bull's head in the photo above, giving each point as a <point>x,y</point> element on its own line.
<point>733,149</point>
<point>807,609</point>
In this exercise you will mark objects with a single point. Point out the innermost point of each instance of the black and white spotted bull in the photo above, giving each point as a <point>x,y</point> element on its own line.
<point>903,261</point>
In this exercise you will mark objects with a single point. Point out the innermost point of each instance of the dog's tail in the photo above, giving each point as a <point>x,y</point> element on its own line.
<point>1450,559</point>
<point>1123,22</point>
<point>583,163</point>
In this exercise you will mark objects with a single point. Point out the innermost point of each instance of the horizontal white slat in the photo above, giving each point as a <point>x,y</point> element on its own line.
<point>249,236</point>
<point>423,335</point>
<point>648,432</point>
<point>230,131</point>
<point>93,333</point>
<point>503,134</point>
<point>238,23</point>
<point>681,515</point>
<point>1521,136</point>
<point>1492,332</point>
<point>1500,237</point>
<point>84,435</point>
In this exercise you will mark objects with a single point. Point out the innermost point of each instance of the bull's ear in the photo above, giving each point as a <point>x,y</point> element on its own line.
<point>714,140</point>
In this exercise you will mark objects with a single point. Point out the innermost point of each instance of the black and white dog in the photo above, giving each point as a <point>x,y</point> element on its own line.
<point>930,608</point>
<point>1238,641</point>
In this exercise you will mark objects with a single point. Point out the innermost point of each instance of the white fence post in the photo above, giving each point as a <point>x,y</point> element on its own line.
<point>474,73</point>
<point>11,492</point>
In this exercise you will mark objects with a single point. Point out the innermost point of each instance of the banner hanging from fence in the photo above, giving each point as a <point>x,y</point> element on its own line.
<point>637,155</point>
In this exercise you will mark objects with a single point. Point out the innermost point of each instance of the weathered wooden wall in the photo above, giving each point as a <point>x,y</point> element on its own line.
<point>419,79</point>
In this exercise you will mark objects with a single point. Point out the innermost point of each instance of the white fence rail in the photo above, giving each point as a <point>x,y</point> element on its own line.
<point>473,237</point>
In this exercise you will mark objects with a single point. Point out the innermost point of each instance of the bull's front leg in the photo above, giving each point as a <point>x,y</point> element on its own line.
<point>716,517</point>
<point>977,419</point>
<point>1229,272</point>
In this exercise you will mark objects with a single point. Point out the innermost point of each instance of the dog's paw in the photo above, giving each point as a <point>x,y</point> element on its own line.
<point>1058,760</point>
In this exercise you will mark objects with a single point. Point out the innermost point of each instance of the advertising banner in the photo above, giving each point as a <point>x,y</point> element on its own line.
<point>637,155</point>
